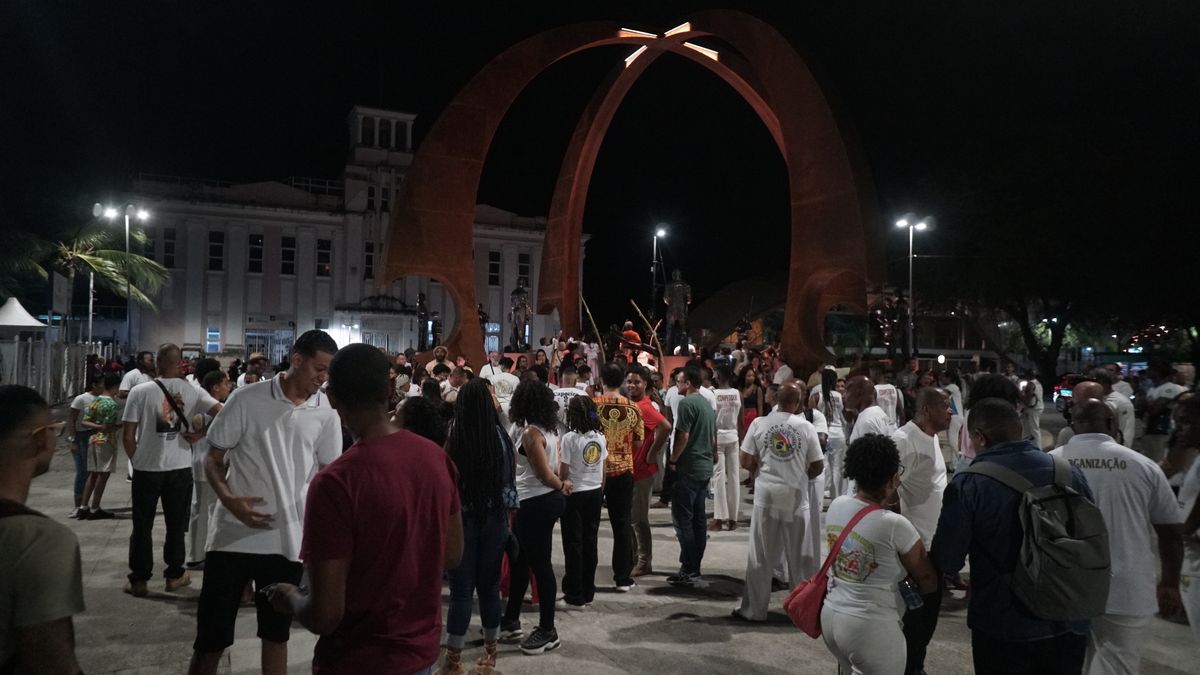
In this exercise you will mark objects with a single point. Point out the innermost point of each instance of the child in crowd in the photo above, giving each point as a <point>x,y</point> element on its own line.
<point>103,418</point>
<point>583,450</point>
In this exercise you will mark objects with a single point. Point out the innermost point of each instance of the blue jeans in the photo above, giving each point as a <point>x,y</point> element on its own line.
<point>690,520</point>
<point>80,455</point>
<point>484,537</point>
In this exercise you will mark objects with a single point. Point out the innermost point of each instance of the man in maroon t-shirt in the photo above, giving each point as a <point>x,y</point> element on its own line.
<point>381,525</point>
<point>645,464</point>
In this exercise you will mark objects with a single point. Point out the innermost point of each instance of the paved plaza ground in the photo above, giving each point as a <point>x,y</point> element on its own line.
<point>653,629</point>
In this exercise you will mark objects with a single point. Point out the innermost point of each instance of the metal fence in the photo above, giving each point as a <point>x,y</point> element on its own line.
<point>57,370</point>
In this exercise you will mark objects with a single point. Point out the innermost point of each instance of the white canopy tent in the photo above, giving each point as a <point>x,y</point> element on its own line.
<point>14,319</point>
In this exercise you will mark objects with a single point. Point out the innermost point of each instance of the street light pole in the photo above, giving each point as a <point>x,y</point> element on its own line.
<point>129,306</point>
<point>910,226</point>
<point>110,213</point>
<point>660,232</point>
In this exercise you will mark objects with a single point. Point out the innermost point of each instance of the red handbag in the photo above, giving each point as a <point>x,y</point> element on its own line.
<point>803,605</point>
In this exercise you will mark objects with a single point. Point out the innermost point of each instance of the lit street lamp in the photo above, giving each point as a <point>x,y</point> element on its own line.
<point>111,212</point>
<point>920,225</point>
<point>654,259</point>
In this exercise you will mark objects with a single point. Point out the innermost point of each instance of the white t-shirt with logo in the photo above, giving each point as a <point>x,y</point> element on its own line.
<point>924,479</point>
<point>1167,391</point>
<point>888,398</point>
<point>504,384</point>
<point>785,444</point>
<point>864,576</point>
<point>527,482</point>
<point>160,443</point>
<point>274,448</point>
<point>563,396</point>
<point>81,403</point>
<point>584,454</point>
<point>1132,493</point>
<point>729,411</point>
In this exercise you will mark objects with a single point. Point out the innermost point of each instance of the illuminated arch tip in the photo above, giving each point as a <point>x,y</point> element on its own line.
<point>631,33</point>
<point>684,27</point>
<point>710,53</point>
<point>629,59</point>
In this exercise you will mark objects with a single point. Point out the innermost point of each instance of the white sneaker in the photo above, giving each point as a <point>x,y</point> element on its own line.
<point>565,606</point>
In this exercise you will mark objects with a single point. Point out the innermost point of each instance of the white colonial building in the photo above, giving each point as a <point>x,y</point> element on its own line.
<point>253,265</point>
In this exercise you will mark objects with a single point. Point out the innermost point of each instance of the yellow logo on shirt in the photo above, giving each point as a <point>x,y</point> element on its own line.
<point>591,453</point>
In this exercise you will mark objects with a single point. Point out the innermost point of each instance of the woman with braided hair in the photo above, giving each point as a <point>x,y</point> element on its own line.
<point>483,454</point>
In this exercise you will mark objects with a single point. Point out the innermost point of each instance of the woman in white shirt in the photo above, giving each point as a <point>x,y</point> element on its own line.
<point>542,498</point>
<point>860,620</point>
<point>826,398</point>
<point>583,450</point>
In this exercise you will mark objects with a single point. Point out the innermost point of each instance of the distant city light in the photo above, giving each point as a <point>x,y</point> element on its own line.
<point>941,359</point>
<point>143,214</point>
<point>110,212</point>
<point>922,225</point>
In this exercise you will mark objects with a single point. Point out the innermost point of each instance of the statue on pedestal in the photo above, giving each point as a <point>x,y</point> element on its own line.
<point>677,296</point>
<point>520,315</point>
<point>423,324</point>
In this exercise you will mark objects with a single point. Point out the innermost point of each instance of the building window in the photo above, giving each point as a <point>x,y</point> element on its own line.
<point>523,269</point>
<point>385,134</point>
<point>255,261</point>
<point>370,197</point>
<point>402,136</point>
<point>212,340</point>
<point>287,256</point>
<point>385,199</point>
<point>368,132</point>
<point>369,260</point>
<point>168,259</point>
<point>324,257</point>
<point>216,251</point>
<point>493,268</point>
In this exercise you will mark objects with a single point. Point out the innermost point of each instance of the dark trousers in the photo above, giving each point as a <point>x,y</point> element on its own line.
<point>618,495</point>
<point>668,485</point>
<point>690,521</point>
<point>1061,655</point>
<point>535,535</point>
<point>484,537</point>
<point>580,532</point>
<point>919,625</point>
<point>175,490</point>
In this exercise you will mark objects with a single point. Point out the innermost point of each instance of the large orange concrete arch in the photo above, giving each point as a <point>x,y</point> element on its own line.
<point>830,246</point>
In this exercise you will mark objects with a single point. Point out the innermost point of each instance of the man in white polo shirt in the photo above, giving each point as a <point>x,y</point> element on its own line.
<point>143,372</point>
<point>158,436</point>
<point>1132,493</point>
<point>270,440</point>
<point>921,487</point>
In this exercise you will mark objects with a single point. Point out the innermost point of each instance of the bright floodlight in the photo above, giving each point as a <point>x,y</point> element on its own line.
<point>110,213</point>
<point>941,359</point>
<point>903,222</point>
<point>143,214</point>
<point>922,225</point>
<point>660,233</point>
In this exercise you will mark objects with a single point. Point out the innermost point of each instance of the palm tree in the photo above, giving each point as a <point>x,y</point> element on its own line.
<point>21,255</point>
<point>98,250</point>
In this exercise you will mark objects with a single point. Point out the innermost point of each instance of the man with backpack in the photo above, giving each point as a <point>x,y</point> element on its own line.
<point>1025,616</point>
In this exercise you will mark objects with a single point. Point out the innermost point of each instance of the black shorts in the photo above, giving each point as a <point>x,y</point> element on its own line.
<point>225,576</point>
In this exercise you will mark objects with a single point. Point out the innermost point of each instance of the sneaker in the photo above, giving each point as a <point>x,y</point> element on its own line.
<point>101,514</point>
<point>511,630</point>
<point>75,512</point>
<point>737,614</point>
<point>687,580</point>
<point>714,525</point>
<point>137,589</point>
<point>626,586</point>
<point>731,525</point>
<point>83,514</point>
<point>641,570</point>
<point>675,578</point>
<point>568,606</point>
<point>540,641</point>
<point>179,582</point>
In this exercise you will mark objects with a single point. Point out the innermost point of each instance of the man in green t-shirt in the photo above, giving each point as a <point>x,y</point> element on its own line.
<point>692,458</point>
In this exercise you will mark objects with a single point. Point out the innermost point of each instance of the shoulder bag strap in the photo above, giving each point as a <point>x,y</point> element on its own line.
<point>837,545</point>
<point>1003,474</point>
<point>1062,473</point>
<point>174,406</point>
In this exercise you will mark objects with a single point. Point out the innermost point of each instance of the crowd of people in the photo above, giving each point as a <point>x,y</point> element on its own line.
<point>344,488</point>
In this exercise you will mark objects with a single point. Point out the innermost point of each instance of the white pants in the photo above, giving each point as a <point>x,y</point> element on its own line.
<point>1189,590</point>
<point>835,478</point>
<point>204,502</point>
<point>864,646</point>
<point>810,564</point>
<point>726,481</point>
<point>1112,647</point>
<point>770,537</point>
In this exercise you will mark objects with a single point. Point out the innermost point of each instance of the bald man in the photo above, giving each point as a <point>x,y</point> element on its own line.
<point>783,452</point>
<point>1133,494</point>
<point>921,489</point>
<point>1121,405</point>
<point>1086,390</point>
<point>860,400</point>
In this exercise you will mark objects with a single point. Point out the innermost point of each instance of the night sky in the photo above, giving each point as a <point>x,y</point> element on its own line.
<point>951,101</point>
